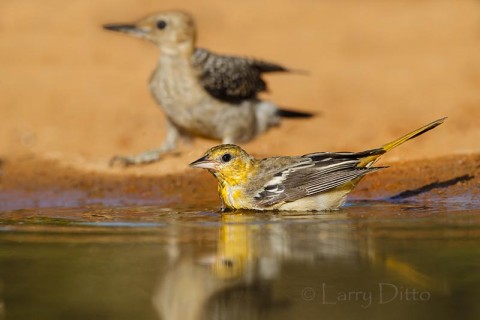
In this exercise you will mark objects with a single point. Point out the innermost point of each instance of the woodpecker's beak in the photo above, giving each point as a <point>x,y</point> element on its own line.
<point>204,163</point>
<point>126,28</point>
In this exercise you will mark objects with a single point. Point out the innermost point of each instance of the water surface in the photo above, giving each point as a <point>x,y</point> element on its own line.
<point>371,260</point>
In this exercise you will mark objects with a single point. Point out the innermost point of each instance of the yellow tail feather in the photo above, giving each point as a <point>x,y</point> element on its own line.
<point>413,134</point>
<point>368,161</point>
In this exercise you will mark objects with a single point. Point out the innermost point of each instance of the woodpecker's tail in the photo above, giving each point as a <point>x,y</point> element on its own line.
<point>285,113</point>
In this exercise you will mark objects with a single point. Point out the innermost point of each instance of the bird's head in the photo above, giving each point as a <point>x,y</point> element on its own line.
<point>172,31</point>
<point>228,162</point>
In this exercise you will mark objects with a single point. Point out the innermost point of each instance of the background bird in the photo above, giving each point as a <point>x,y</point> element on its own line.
<point>316,181</point>
<point>202,93</point>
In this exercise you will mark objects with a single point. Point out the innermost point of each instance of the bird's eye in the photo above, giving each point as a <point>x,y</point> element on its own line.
<point>161,24</point>
<point>226,157</point>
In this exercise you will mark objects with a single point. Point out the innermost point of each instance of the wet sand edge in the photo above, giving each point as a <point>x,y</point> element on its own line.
<point>445,176</point>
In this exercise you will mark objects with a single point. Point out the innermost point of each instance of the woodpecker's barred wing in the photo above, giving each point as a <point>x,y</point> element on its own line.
<point>323,171</point>
<point>230,78</point>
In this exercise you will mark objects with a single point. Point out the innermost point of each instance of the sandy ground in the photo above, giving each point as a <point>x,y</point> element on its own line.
<point>73,95</point>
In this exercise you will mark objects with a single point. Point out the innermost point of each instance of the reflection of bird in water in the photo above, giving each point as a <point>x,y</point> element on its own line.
<point>234,248</point>
<point>203,94</point>
<point>235,280</point>
<point>223,286</point>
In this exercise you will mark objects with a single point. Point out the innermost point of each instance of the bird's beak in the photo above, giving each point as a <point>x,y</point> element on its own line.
<point>204,163</point>
<point>126,28</point>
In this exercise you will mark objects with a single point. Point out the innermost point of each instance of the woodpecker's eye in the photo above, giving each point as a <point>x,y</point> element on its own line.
<point>161,24</point>
<point>226,157</point>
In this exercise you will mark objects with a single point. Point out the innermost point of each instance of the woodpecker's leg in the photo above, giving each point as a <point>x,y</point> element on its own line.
<point>229,139</point>
<point>153,155</point>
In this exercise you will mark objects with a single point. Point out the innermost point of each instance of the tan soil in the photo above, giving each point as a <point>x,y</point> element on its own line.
<point>73,95</point>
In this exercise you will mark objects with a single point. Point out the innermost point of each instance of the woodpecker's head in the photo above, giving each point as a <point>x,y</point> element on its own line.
<point>172,31</point>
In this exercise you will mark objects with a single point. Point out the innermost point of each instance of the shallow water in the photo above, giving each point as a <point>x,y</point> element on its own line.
<point>371,260</point>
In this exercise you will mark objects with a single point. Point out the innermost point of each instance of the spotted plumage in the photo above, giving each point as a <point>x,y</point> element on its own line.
<point>202,94</point>
<point>232,78</point>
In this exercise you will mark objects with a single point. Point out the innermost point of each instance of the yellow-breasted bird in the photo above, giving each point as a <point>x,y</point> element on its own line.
<point>203,94</point>
<point>315,181</point>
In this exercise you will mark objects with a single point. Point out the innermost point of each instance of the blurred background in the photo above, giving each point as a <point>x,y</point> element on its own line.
<point>376,70</point>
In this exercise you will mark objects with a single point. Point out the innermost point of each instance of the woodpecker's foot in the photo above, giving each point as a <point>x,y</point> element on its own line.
<point>142,158</point>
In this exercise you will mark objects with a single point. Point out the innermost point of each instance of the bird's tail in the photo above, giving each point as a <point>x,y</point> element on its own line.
<point>285,113</point>
<point>413,134</point>
<point>369,160</point>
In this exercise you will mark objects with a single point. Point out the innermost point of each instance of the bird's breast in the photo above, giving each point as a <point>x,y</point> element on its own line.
<point>174,86</point>
<point>234,197</point>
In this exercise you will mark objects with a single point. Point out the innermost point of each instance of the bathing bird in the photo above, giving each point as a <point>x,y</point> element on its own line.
<point>312,182</point>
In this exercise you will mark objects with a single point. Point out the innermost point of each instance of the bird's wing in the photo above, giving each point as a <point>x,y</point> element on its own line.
<point>319,173</point>
<point>230,78</point>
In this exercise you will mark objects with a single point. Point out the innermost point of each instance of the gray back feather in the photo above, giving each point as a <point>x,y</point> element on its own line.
<point>323,172</point>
